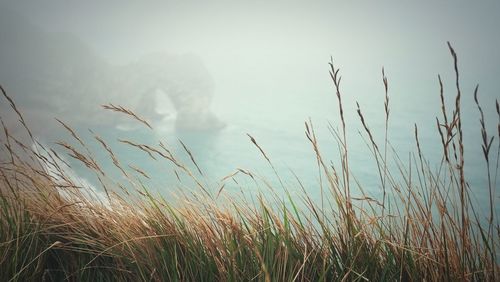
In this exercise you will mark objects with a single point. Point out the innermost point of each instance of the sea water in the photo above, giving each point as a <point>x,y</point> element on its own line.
<point>294,166</point>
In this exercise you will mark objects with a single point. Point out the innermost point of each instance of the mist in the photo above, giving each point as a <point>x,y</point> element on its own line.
<point>212,72</point>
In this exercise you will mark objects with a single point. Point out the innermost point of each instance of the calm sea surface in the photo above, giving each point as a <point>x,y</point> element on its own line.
<point>219,154</point>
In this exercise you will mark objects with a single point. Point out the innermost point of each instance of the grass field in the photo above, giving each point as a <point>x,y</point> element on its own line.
<point>424,227</point>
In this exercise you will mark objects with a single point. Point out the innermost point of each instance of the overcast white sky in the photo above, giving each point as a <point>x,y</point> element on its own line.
<point>268,55</point>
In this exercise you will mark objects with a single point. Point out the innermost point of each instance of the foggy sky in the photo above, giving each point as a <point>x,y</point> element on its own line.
<point>267,55</point>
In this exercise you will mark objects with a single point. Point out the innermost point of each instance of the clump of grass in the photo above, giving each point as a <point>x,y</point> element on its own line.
<point>425,227</point>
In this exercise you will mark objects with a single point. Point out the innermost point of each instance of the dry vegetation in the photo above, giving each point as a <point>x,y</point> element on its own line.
<point>52,229</point>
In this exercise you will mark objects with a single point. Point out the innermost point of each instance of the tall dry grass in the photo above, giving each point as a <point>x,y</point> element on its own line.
<point>425,227</point>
